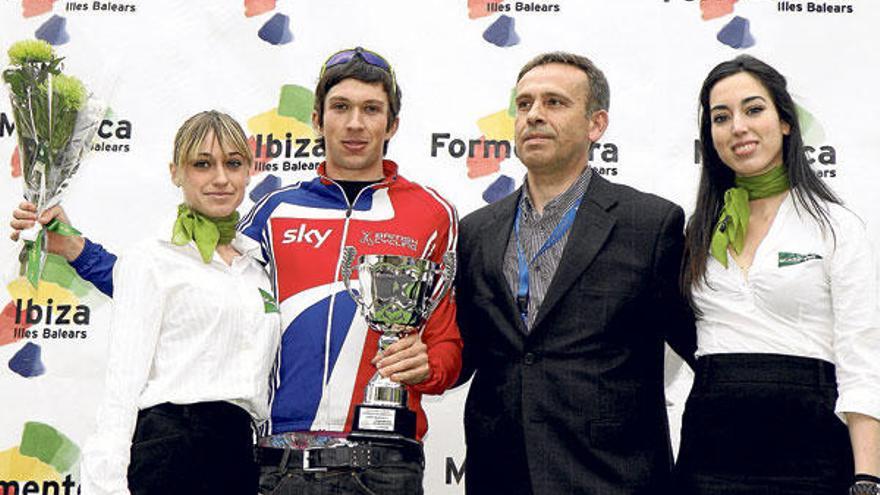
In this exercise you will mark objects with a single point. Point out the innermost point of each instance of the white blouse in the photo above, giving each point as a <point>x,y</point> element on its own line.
<point>806,294</point>
<point>182,331</point>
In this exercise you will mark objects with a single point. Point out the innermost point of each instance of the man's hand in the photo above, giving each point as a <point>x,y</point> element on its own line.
<point>25,216</point>
<point>405,361</point>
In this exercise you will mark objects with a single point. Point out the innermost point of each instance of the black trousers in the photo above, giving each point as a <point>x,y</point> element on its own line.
<point>195,448</point>
<point>763,424</point>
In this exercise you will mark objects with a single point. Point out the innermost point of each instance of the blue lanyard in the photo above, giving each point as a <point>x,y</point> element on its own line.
<point>522,291</point>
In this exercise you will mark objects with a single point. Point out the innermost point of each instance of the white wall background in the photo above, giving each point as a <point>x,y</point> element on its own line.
<point>167,60</point>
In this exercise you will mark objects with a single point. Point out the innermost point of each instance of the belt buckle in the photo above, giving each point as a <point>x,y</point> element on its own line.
<point>307,462</point>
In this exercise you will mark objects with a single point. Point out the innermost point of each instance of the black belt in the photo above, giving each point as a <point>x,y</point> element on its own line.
<point>361,455</point>
<point>215,412</point>
<point>765,368</point>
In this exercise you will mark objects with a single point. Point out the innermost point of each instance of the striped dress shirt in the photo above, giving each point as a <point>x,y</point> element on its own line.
<point>534,230</point>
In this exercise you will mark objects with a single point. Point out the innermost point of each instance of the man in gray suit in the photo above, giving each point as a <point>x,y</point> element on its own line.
<point>566,293</point>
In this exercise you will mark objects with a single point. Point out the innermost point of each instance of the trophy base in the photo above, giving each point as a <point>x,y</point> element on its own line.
<point>383,423</point>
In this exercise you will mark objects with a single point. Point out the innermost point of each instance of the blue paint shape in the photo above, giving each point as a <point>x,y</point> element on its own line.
<point>53,31</point>
<point>502,186</point>
<point>502,32</point>
<point>267,185</point>
<point>26,362</point>
<point>736,34</point>
<point>276,30</point>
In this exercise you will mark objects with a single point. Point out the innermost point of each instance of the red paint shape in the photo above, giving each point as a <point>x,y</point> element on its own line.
<point>478,166</point>
<point>480,8</point>
<point>31,8</point>
<point>260,162</point>
<point>716,8</point>
<point>15,163</point>
<point>257,7</point>
<point>8,325</point>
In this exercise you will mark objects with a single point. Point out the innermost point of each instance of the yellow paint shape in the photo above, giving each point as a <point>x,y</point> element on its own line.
<point>20,288</point>
<point>497,126</point>
<point>278,125</point>
<point>22,468</point>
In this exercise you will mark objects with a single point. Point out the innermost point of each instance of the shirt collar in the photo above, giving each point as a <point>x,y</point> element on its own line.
<point>389,171</point>
<point>569,196</point>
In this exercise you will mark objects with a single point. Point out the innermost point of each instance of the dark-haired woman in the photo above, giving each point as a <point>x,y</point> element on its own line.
<point>786,395</point>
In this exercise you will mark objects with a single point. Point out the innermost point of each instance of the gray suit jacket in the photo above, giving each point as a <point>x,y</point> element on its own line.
<point>577,405</point>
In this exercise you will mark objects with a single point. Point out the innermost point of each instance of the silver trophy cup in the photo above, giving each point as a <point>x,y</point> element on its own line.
<point>396,295</point>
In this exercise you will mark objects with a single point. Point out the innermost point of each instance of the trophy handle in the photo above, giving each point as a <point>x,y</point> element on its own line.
<point>348,255</point>
<point>447,274</point>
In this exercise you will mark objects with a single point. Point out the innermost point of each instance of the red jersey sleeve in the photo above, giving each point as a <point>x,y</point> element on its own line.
<point>441,334</point>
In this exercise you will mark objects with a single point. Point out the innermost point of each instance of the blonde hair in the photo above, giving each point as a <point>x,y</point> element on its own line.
<point>192,133</point>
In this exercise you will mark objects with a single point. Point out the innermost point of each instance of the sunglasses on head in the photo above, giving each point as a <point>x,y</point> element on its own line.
<point>371,58</point>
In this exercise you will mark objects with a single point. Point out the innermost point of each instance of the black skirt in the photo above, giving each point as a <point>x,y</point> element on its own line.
<point>763,424</point>
<point>205,447</point>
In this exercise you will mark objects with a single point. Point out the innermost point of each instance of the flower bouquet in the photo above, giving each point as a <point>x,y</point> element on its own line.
<point>56,120</point>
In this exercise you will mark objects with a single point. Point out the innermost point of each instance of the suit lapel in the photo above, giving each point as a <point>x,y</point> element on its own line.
<point>591,228</point>
<point>495,239</point>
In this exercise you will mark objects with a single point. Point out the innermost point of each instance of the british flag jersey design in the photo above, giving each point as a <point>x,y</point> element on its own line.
<point>324,360</point>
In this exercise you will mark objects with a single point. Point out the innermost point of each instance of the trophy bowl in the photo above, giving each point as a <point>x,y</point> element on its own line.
<point>396,295</point>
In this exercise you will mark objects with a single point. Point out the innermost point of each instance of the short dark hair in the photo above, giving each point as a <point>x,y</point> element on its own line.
<point>358,69</point>
<point>809,191</point>
<point>599,96</point>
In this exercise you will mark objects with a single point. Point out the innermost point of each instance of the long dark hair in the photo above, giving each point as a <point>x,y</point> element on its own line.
<point>809,191</point>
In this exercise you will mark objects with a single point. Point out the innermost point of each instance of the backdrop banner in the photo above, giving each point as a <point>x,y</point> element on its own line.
<point>156,62</point>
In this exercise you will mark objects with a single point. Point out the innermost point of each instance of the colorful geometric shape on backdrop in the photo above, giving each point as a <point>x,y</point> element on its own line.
<point>31,8</point>
<point>500,188</point>
<point>297,102</point>
<point>252,143</point>
<point>479,8</point>
<point>511,107</point>
<point>48,445</point>
<point>502,32</point>
<point>811,128</point>
<point>271,123</point>
<point>8,325</point>
<point>257,7</point>
<point>486,161</point>
<point>269,126</point>
<point>736,33</point>
<point>57,271</point>
<point>27,361</point>
<point>276,30</point>
<point>15,163</point>
<point>20,288</point>
<point>21,468</point>
<point>716,8</point>
<point>499,125</point>
<point>267,185</point>
<point>53,31</point>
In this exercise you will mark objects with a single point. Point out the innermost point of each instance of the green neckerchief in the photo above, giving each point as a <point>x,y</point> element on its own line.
<point>207,232</point>
<point>734,219</point>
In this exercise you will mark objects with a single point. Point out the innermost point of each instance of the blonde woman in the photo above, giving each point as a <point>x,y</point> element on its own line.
<point>193,336</point>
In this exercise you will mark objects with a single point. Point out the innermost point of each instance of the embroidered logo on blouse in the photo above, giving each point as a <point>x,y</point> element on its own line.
<point>788,259</point>
<point>269,304</point>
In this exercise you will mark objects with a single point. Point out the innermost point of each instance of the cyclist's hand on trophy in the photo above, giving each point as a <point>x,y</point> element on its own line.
<point>25,217</point>
<point>405,361</point>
